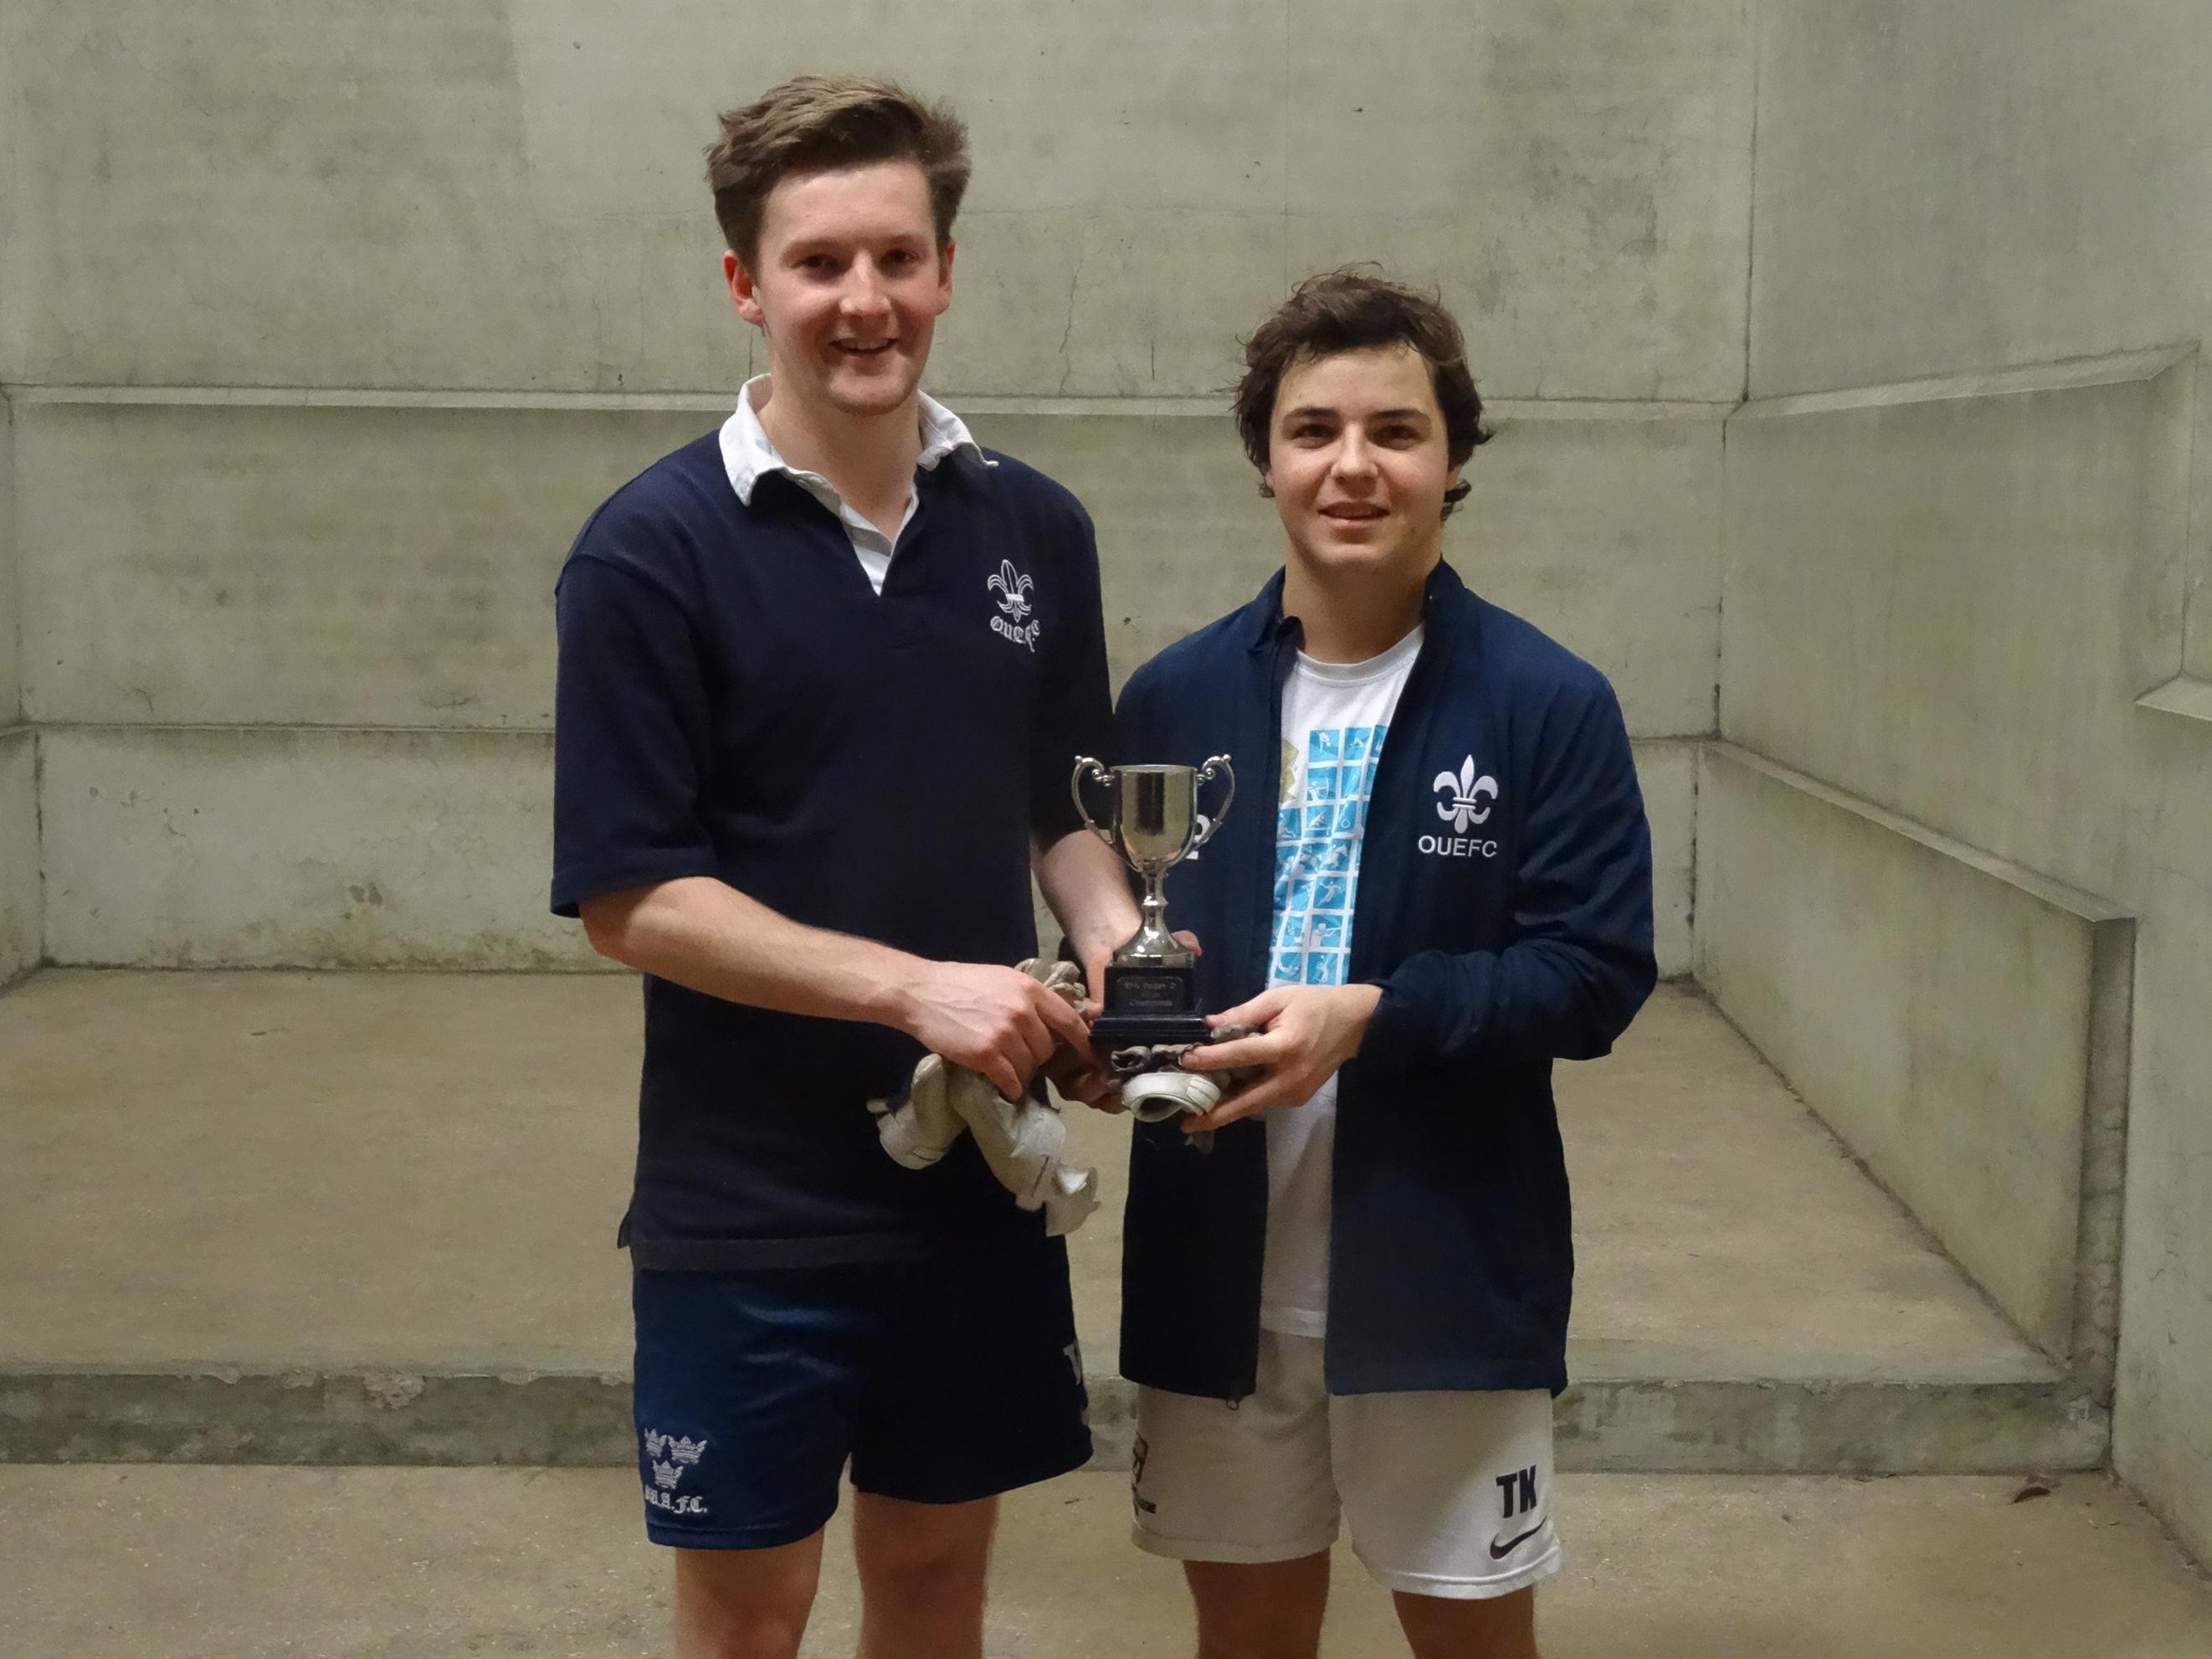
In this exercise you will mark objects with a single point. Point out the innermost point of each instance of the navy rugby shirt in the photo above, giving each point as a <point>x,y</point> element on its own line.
<point>734,701</point>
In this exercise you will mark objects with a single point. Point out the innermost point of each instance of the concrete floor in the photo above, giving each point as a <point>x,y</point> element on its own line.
<point>416,1170</point>
<point>210,1563</point>
<point>374,1176</point>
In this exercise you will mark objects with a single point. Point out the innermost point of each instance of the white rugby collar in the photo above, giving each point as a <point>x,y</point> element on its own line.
<point>748,455</point>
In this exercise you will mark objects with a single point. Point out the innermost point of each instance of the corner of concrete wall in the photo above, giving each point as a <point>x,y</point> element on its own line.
<point>2098,1267</point>
<point>2196,568</point>
<point>22,912</point>
<point>11,581</point>
<point>1959,1022</point>
<point>1995,611</point>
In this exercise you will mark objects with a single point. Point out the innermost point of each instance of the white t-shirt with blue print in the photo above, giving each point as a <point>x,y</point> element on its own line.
<point>1335,718</point>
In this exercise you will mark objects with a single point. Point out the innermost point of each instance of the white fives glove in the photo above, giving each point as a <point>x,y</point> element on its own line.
<point>1157,1087</point>
<point>922,1127</point>
<point>1021,1140</point>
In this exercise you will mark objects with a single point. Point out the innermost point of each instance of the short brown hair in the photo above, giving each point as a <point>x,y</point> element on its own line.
<point>1357,310</point>
<point>814,123</point>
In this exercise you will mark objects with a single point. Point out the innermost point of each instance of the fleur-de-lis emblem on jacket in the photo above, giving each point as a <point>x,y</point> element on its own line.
<point>1015,586</point>
<point>1466,791</point>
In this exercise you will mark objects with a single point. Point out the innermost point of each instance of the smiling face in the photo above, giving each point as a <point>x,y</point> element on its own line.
<point>1357,464</point>
<point>850,283</point>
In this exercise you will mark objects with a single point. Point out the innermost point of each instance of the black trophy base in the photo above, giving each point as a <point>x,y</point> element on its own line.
<point>1149,1004</point>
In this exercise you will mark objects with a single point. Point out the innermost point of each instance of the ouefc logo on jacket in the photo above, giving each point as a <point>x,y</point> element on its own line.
<point>1013,622</point>
<point>1467,801</point>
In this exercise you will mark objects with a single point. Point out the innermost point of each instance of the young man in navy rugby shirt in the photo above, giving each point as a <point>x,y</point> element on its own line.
<point>1355,1304</point>
<point>824,675</point>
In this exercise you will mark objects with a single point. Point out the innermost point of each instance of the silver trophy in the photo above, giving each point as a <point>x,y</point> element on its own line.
<point>1152,981</point>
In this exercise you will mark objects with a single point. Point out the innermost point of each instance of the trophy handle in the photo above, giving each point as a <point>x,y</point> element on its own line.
<point>1219,763</point>
<point>1086,767</point>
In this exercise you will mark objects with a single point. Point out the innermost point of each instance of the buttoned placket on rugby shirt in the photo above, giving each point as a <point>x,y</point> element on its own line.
<point>748,454</point>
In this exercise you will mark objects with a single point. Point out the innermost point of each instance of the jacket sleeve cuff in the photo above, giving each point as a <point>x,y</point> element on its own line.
<point>1398,1031</point>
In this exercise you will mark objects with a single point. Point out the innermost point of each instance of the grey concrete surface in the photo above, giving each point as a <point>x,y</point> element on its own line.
<point>273,1217</point>
<point>509,197</point>
<point>183,579</point>
<point>1948,605</point>
<point>1946,611</point>
<point>2196,642</point>
<point>1606,534</point>
<point>22,932</point>
<point>308,566</point>
<point>1667,774</point>
<point>363,1563</point>
<point>2032,180</point>
<point>2164,1396</point>
<point>294,846</point>
<point>189,564</point>
<point>1976,1060</point>
<point>216,846</point>
<point>11,605</point>
<point>21,919</point>
<point>1994,575</point>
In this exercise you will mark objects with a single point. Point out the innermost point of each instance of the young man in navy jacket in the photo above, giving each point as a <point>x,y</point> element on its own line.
<point>1356,1302</point>
<point>822,676</point>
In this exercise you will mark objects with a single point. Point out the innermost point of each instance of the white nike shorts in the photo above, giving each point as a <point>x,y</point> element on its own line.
<point>1446,1494</point>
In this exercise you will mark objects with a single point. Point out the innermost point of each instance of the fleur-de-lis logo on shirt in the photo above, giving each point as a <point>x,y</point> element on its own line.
<point>1014,587</point>
<point>1466,792</point>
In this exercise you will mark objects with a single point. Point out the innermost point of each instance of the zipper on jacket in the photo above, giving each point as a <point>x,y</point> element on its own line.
<point>1262,939</point>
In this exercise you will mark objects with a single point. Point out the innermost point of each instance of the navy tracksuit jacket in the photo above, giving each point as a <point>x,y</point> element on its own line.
<point>1502,942</point>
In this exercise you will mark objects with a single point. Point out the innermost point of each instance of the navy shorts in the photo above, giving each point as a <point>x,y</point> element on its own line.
<point>942,1378</point>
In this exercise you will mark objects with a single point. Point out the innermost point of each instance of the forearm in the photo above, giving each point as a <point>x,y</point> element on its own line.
<point>1087,887</point>
<point>1536,999</point>
<point>706,936</point>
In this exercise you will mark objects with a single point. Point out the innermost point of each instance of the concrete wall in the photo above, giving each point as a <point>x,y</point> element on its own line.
<point>1972,1051</point>
<point>1982,603</point>
<point>21,933</point>
<point>241,676</point>
<point>508,195</point>
<point>11,605</point>
<point>22,929</point>
<point>275,847</point>
<point>1946,598</point>
<point>411,294</point>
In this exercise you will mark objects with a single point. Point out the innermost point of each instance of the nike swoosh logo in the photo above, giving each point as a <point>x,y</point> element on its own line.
<point>1499,1552</point>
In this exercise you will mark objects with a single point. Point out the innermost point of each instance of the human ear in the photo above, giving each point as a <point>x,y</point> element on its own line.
<point>944,275</point>
<point>742,293</point>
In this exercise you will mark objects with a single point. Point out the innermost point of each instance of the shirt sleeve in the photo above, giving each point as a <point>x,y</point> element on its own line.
<point>1075,714</point>
<point>1582,962</point>
<point>630,734</point>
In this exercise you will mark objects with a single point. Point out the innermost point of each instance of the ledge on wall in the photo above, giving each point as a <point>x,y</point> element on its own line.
<point>2188,697</point>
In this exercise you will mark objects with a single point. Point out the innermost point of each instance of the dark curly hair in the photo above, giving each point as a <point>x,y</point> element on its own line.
<point>1357,309</point>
